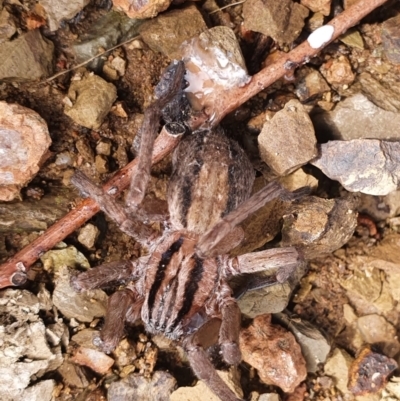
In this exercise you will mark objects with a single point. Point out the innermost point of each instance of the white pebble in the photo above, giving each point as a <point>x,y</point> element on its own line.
<point>321,36</point>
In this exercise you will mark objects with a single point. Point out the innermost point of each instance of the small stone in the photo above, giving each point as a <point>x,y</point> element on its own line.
<point>201,391</point>
<point>353,38</point>
<point>369,166</point>
<point>101,163</point>
<point>383,95</point>
<point>57,258</point>
<point>7,25</point>
<point>41,391</point>
<point>88,235</point>
<point>314,346</point>
<point>145,9</point>
<point>27,58</point>
<point>337,366</point>
<point>269,397</point>
<point>285,366</point>
<point>338,72</point>
<point>311,86</point>
<point>288,141</point>
<point>168,31</point>
<point>92,98</point>
<point>356,118</point>
<point>315,22</point>
<point>321,6</point>
<point>391,39</point>
<point>376,329</point>
<point>103,148</point>
<point>81,306</point>
<point>73,375</point>
<point>319,226</point>
<point>57,11</point>
<point>137,387</point>
<point>369,372</point>
<point>86,338</point>
<point>281,20</point>
<point>24,139</point>
<point>94,359</point>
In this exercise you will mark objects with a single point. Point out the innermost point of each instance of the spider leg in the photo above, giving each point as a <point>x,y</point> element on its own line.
<point>173,78</point>
<point>122,306</point>
<point>229,331</point>
<point>136,229</point>
<point>211,239</point>
<point>200,363</point>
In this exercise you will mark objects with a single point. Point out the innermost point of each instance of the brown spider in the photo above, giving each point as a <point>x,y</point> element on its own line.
<point>181,288</point>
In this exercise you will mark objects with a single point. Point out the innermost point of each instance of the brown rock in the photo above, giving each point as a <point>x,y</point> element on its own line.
<point>391,39</point>
<point>90,99</point>
<point>369,372</point>
<point>281,20</point>
<point>321,6</point>
<point>338,366</point>
<point>312,85</point>
<point>94,359</point>
<point>369,166</point>
<point>274,352</point>
<point>288,141</point>
<point>319,226</point>
<point>24,139</point>
<point>141,9</point>
<point>168,31</point>
<point>338,71</point>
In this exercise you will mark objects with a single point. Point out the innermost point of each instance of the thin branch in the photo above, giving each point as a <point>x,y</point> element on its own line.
<point>13,272</point>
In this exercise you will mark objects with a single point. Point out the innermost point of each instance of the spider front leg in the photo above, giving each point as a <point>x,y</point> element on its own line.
<point>200,363</point>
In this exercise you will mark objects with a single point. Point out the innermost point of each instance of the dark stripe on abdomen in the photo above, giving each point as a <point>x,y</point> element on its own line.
<point>191,288</point>
<point>160,275</point>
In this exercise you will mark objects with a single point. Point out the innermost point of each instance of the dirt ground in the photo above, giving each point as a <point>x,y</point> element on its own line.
<point>323,293</point>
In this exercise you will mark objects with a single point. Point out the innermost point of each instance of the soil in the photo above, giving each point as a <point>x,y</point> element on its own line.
<point>318,299</point>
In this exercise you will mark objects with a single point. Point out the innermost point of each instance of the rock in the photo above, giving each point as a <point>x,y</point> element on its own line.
<point>369,372</point>
<point>7,25</point>
<point>57,11</point>
<point>82,306</point>
<point>337,366</point>
<point>283,20</point>
<point>25,352</point>
<point>27,58</point>
<point>141,9</point>
<point>269,397</point>
<point>355,118</point>
<point>34,214</point>
<point>214,63</point>
<point>104,33</point>
<point>319,226</point>
<point>41,391</point>
<point>101,164</point>
<point>318,6</point>
<point>338,72</point>
<point>103,148</point>
<point>86,338</point>
<point>88,235</point>
<point>391,39</point>
<point>24,139</point>
<point>96,360</point>
<point>68,256</point>
<point>73,375</point>
<point>167,32</point>
<point>91,99</point>
<point>314,346</point>
<point>383,95</point>
<point>393,387</point>
<point>315,22</point>
<point>369,166</point>
<point>376,329</point>
<point>354,39</point>
<point>311,86</point>
<point>201,391</point>
<point>379,207</point>
<point>287,141</point>
<point>137,387</point>
<point>285,366</point>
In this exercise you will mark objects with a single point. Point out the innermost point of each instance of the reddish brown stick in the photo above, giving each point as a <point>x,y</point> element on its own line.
<point>13,272</point>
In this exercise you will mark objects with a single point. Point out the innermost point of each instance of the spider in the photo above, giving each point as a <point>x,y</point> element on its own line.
<point>180,289</point>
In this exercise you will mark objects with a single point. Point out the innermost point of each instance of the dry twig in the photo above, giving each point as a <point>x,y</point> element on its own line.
<point>13,272</point>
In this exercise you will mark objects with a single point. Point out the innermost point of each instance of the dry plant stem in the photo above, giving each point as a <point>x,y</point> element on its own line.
<point>298,56</point>
<point>13,272</point>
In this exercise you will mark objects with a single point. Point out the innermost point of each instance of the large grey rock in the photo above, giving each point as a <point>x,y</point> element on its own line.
<point>369,166</point>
